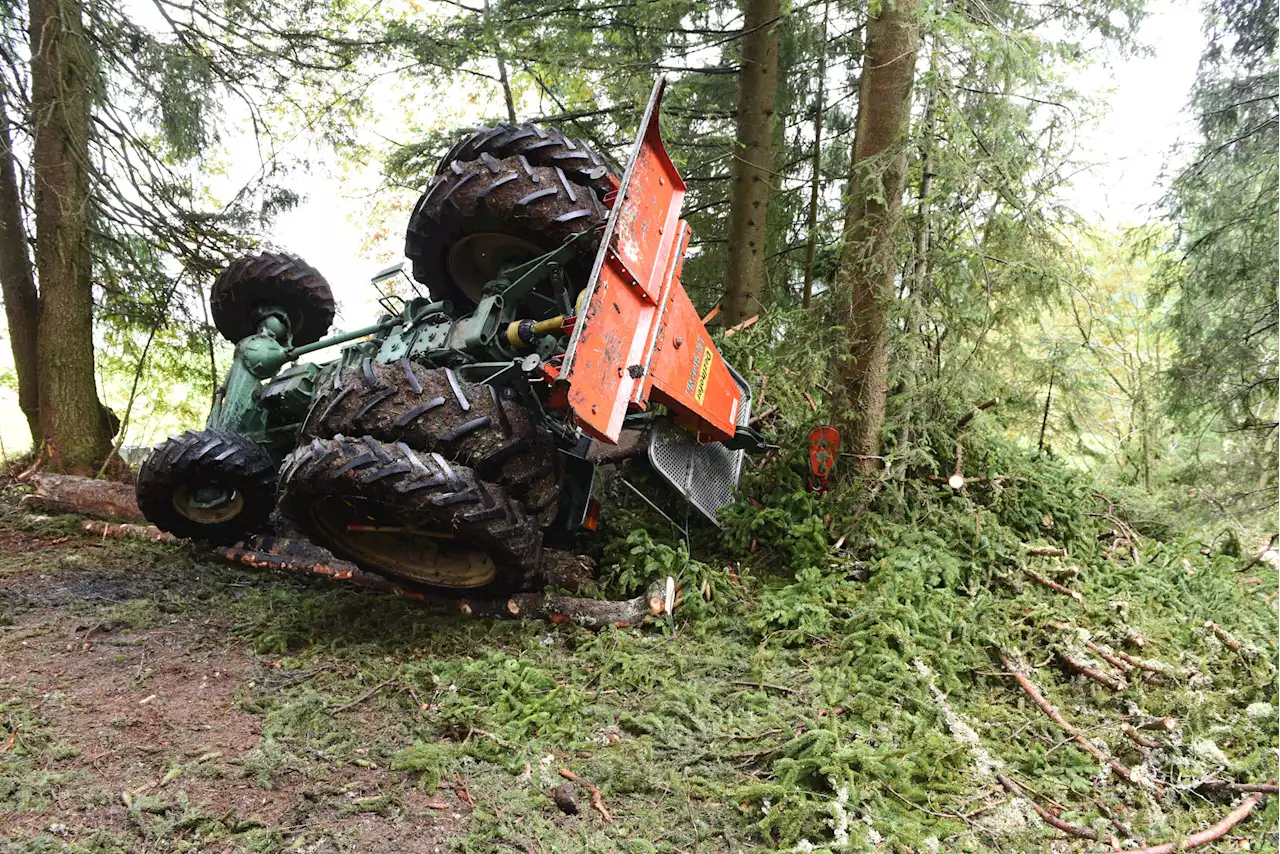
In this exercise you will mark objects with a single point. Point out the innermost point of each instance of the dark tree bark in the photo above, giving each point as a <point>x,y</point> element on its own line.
<point>73,424</point>
<point>815,187</point>
<point>503,80</point>
<point>753,164</point>
<point>872,223</point>
<point>17,281</point>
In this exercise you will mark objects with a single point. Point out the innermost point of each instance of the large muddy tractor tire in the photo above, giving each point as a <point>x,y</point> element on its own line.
<point>540,146</point>
<point>208,485</point>
<point>479,216</point>
<point>252,283</point>
<point>410,514</point>
<point>430,409</point>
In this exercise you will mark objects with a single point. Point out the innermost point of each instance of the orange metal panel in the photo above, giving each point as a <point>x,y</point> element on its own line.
<point>690,376</point>
<point>638,335</point>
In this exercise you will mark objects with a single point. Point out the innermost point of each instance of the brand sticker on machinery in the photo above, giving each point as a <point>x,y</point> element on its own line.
<point>695,368</point>
<point>704,374</point>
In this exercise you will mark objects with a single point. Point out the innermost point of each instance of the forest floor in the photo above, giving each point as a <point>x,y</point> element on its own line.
<point>152,700</point>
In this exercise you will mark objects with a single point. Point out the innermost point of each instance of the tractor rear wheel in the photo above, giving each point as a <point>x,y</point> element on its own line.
<point>208,485</point>
<point>479,216</point>
<point>430,409</point>
<point>413,515</point>
<point>540,146</point>
<point>253,283</point>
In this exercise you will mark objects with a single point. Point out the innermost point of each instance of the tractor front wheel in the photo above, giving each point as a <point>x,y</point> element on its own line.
<point>253,285</point>
<point>208,485</point>
<point>410,514</point>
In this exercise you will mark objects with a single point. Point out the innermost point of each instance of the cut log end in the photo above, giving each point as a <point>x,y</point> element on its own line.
<point>63,493</point>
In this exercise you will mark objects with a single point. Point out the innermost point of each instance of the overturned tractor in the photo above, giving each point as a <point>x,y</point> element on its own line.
<point>446,442</point>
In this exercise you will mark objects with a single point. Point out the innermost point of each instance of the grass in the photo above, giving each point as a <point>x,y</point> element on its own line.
<point>796,710</point>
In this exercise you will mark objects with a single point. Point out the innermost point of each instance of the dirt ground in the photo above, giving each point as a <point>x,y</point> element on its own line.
<point>154,700</point>
<point>136,720</point>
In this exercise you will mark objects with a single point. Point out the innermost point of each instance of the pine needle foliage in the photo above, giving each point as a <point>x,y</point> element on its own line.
<point>821,700</point>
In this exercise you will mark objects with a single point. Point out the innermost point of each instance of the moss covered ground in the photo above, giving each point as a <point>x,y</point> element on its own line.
<point>805,697</point>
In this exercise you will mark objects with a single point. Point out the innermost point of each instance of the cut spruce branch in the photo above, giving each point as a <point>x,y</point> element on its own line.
<point>1075,665</point>
<point>1150,665</point>
<point>1159,724</point>
<point>1048,817</point>
<point>1046,551</point>
<point>1204,837</point>
<point>589,613</point>
<point>1052,585</point>
<point>1118,823</point>
<point>1261,555</point>
<point>1221,634</point>
<point>973,413</point>
<point>597,801</point>
<point>1109,657</point>
<point>1054,715</point>
<point>400,686</point>
<point>1010,582</point>
<point>1271,788</point>
<point>1137,738</point>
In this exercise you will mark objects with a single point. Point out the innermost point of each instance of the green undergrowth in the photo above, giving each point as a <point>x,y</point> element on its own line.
<point>804,697</point>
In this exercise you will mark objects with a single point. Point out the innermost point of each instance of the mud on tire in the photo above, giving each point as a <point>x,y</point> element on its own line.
<point>271,278</point>
<point>391,485</point>
<point>540,146</point>
<point>167,482</point>
<point>477,216</point>
<point>430,409</point>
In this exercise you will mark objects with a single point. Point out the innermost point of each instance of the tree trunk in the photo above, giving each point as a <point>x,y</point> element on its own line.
<point>914,289</point>
<point>815,188</point>
<point>17,281</point>
<point>753,166</point>
<point>868,263</point>
<point>72,421</point>
<point>503,80</point>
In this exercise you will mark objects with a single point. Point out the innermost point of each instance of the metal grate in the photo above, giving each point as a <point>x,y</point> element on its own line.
<point>706,475</point>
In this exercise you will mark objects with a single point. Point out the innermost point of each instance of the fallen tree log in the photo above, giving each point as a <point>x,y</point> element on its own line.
<point>124,529</point>
<point>276,554</point>
<point>64,493</point>
<point>296,555</point>
<point>591,613</point>
<point>302,556</point>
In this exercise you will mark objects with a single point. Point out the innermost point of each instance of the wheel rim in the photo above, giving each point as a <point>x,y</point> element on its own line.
<point>376,536</point>
<point>202,513</point>
<point>477,259</point>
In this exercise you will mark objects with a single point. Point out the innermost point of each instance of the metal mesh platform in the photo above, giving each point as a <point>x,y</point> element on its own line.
<point>706,475</point>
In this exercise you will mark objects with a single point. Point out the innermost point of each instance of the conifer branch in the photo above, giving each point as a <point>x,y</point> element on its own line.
<point>1048,817</point>
<point>1124,772</point>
